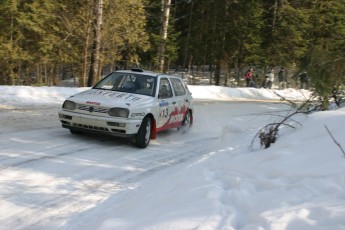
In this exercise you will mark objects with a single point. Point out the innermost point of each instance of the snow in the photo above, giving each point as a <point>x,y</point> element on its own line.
<point>208,179</point>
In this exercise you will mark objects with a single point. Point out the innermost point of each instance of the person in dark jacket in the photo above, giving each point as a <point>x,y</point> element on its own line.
<point>282,78</point>
<point>303,78</point>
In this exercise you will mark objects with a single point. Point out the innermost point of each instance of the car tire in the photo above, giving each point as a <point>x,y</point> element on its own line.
<point>73,131</point>
<point>143,136</point>
<point>186,123</point>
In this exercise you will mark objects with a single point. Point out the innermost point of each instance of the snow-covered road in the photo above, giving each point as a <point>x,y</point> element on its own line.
<point>206,179</point>
<point>52,179</point>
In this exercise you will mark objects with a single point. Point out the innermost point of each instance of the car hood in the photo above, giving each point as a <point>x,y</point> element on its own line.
<point>107,98</point>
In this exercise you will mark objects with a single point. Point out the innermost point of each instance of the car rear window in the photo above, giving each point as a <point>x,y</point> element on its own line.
<point>178,87</point>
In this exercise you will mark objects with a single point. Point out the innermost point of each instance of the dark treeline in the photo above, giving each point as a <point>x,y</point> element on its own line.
<point>45,41</point>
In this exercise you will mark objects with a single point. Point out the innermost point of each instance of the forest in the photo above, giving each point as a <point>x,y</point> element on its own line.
<point>43,42</point>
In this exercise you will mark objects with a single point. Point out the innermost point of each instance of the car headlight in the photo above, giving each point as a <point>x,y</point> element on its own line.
<point>70,105</point>
<point>118,112</point>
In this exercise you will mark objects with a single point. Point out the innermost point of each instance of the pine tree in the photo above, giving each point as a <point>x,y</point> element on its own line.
<point>12,41</point>
<point>124,35</point>
<point>284,30</point>
<point>223,34</point>
<point>325,61</point>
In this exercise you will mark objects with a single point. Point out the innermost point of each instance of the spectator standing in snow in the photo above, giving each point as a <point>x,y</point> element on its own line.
<point>282,78</point>
<point>303,78</point>
<point>253,82</point>
<point>249,77</point>
<point>270,78</point>
<point>264,82</point>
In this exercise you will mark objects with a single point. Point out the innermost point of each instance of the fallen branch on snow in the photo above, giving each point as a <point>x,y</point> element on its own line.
<point>337,143</point>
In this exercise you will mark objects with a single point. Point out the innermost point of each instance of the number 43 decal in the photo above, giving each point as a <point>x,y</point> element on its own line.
<point>164,113</point>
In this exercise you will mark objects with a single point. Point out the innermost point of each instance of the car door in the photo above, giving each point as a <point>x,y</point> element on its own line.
<point>182,101</point>
<point>166,103</point>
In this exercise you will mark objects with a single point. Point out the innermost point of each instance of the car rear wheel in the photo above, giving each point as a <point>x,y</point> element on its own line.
<point>186,123</point>
<point>143,136</point>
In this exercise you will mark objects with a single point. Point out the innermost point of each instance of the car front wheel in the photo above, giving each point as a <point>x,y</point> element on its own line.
<point>73,131</point>
<point>144,134</point>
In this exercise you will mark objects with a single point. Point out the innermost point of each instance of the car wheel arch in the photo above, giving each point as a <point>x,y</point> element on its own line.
<point>153,128</point>
<point>185,127</point>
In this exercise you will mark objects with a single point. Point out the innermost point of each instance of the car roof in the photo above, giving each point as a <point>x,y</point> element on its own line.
<point>139,71</point>
<point>144,72</point>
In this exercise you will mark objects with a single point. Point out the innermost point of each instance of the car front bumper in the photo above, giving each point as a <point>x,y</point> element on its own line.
<point>97,124</point>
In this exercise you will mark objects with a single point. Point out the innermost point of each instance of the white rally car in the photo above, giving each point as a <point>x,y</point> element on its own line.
<point>130,103</point>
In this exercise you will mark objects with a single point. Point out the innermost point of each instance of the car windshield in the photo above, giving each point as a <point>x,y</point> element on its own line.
<point>129,83</point>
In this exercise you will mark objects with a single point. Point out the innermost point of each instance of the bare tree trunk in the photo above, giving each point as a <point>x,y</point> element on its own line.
<point>274,19</point>
<point>46,74</point>
<point>19,74</point>
<point>11,74</point>
<point>96,44</point>
<point>86,57</point>
<point>100,64</point>
<point>185,55</point>
<point>56,79</point>
<point>164,33</point>
<point>50,76</point>
<point>217,72</point>
<point>38,74</point>
<point>85,65</point>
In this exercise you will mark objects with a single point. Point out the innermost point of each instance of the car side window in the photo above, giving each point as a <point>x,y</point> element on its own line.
<point>178,87</point>
<point>164,89</point>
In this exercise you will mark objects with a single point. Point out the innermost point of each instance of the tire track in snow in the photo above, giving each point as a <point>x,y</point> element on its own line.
<point>38,159</point>
<point>109,184</point>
